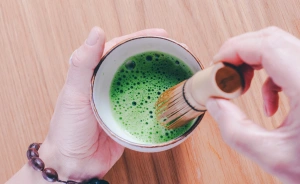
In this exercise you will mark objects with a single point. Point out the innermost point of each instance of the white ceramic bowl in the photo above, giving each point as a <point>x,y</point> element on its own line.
<point>104,74</point>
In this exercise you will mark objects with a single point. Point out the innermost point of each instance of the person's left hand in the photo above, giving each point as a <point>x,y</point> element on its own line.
<point>76,146</point>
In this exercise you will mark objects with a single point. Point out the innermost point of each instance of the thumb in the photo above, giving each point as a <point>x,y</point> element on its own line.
<point>238,131</point>
<point>84,60</point>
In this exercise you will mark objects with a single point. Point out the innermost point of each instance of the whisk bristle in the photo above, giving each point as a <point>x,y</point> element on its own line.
<point>184,102</point>
<point>172,110</point>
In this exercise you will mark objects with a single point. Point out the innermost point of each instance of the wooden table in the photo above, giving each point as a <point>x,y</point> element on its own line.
<point>37,38</point>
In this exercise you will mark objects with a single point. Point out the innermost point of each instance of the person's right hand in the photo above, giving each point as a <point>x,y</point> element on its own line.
<point>276,151</point>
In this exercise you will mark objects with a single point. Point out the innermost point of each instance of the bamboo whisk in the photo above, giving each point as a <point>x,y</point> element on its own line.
<point>184,102</point>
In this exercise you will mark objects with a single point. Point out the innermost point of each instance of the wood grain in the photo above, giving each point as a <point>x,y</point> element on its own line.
<point>37,38</point>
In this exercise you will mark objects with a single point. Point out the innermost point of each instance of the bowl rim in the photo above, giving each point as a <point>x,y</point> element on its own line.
<point>112,133</point>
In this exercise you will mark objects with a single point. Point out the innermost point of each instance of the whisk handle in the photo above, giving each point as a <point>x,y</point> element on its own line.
<point>221,80</point>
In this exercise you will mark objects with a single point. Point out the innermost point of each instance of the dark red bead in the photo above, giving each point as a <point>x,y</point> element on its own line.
<point>35,146</point>
<point>32,153</point>
<point>37,163</point>
<point>50,175</point>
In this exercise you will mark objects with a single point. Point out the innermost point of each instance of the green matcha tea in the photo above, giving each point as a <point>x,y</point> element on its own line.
<point>136,87</point>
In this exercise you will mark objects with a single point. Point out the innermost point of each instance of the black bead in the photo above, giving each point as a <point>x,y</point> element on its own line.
<point>37,163</point>
<point>35,146</point>
<point>104,182</point>
<point>32,153</point>
<point>50,175</point>
<point>97,181</point>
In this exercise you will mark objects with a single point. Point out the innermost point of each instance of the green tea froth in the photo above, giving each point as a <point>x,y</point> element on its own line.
<point>135,88</point>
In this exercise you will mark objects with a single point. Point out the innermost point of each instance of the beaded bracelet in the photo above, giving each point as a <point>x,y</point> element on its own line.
<point>50,174</point>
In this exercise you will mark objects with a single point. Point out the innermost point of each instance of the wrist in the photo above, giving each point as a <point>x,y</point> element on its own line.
<point>27,175</point>
<point>66,166</point>
<point>51,156</point>
<point>47,154</point>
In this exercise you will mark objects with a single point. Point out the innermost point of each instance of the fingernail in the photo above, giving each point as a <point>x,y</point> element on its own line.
<point>93,37</point>
<point>184,45</point>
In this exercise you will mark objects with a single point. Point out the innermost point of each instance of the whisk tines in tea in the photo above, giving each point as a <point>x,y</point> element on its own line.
<point>184,102</point>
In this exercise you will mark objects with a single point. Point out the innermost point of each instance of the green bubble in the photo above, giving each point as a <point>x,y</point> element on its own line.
<point>130,65</point>
<point>149,58</point>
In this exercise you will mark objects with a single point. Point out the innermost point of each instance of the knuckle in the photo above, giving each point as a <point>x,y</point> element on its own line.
<point>233,140</point>
<point>274,28</point>
<point>272,37</point>
<point>279,164</point>
<point>230,136</point>
<point>80,55</point>
<point>75,59</point>
<point>269,31</point>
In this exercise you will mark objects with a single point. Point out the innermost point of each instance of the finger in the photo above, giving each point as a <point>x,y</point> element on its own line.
<point>235,50</point>
<point>184,45</point>
<point>237,130</point>
<point>250,35</point>
<point>232,40</point>
<point>273,49</point>
<point>270,96</point>
<point>242,49</point>
<point>146,32</point>
<point>84,60</point>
